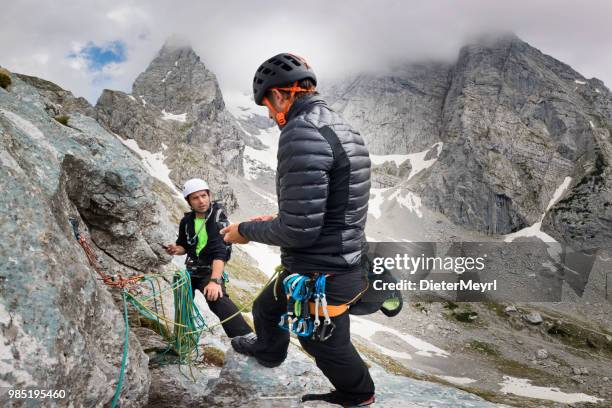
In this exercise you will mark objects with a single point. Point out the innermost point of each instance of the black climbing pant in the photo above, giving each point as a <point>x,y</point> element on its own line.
<point>223,307</point>
<point>336,356</point>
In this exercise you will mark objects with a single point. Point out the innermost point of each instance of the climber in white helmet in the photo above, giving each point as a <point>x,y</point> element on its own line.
<point>207,254</point>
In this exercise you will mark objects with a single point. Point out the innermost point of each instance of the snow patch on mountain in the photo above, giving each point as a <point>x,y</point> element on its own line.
<point>398,159</point>
<point>418,162</point>
<point>367,328</point>
<point>257,161</point>
<point>535,229</point>
<point>239,104</point>
<point>171,116</point>
<point>166,76</point>
<point>457,380</point>
<point>376,201</point>
<point>380,196</point>
<point>409,200</point>
<point>153,163</point>
<point>523,387</point>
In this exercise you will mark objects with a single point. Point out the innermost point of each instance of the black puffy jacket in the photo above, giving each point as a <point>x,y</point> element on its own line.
<point>323,187</point>
<point>215,248</point>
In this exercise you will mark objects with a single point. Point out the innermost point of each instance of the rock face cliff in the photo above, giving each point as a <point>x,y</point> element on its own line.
<point>514,122</point>
<point>176,108</point>
<point>59,326</point>
<point>398,112</point>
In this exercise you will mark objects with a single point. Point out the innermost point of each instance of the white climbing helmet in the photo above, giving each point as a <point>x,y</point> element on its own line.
<point>193,185</point>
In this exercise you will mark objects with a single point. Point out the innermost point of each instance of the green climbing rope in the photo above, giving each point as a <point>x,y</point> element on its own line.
<point>125,351</point>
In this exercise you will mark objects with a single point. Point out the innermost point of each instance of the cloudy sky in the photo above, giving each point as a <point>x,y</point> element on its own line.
<point>86,45</point>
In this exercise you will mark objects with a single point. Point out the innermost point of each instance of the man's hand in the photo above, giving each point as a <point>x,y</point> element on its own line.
<point>174,249</point>
<point>262,218</point>
<point>213,291</point>
<point>231,235</point>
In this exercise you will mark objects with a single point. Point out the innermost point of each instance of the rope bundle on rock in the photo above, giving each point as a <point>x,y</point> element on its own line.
<point>144,293</point>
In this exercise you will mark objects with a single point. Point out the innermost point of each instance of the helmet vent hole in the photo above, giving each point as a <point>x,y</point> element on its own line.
<point>286,67</point>
<point>293,60</point>
<point>266,71</point>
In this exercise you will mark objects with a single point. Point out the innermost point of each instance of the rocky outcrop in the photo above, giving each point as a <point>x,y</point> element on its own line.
<point>58,101</point>
<point>398,112</point>
<point>515,123</point>
<point>389,174</point>
<point>176,108</point>
<point>515,127</point>
<point>59,326</point>
<point>584,217</point>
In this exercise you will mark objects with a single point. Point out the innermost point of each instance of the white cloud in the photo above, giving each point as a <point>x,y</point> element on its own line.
<point>127,15</point>
<point>232,38</point>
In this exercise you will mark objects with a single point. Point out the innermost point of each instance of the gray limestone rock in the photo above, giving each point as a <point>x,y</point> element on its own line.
<point>583,217</point>
<point>58,101</point>
<point>59,326</point>
<point>396,113</point>
<point>533,318</point>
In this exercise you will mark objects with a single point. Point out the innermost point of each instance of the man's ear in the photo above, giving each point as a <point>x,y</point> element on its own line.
<point>277,97</point>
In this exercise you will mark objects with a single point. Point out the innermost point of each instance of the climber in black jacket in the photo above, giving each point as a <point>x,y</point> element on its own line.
<point>207,254</point>
<point>322,184</point>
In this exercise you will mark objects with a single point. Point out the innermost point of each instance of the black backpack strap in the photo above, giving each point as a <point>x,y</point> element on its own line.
<point>221,221</point>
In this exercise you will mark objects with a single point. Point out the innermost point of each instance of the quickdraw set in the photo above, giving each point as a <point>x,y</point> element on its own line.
<point>306,302</point>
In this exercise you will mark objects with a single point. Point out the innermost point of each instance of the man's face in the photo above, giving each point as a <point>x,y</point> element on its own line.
<point>199,201</point>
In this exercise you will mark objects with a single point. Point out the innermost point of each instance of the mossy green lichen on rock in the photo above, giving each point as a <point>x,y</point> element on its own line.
<point>185,127</point>
<point>484,348</point>
<point>461,312</point>
<point>465,317</point>
<point>5,78</point>
<point>213,356</point>
<point>63,119</point>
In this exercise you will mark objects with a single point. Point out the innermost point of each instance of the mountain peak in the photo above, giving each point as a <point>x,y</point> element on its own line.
<point>176,80</point>
<point>500,39</point>
<point>175,42</point>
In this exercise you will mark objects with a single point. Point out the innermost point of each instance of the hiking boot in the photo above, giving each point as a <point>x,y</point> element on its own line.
<point>334,398</point>
<point>246,345</point>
